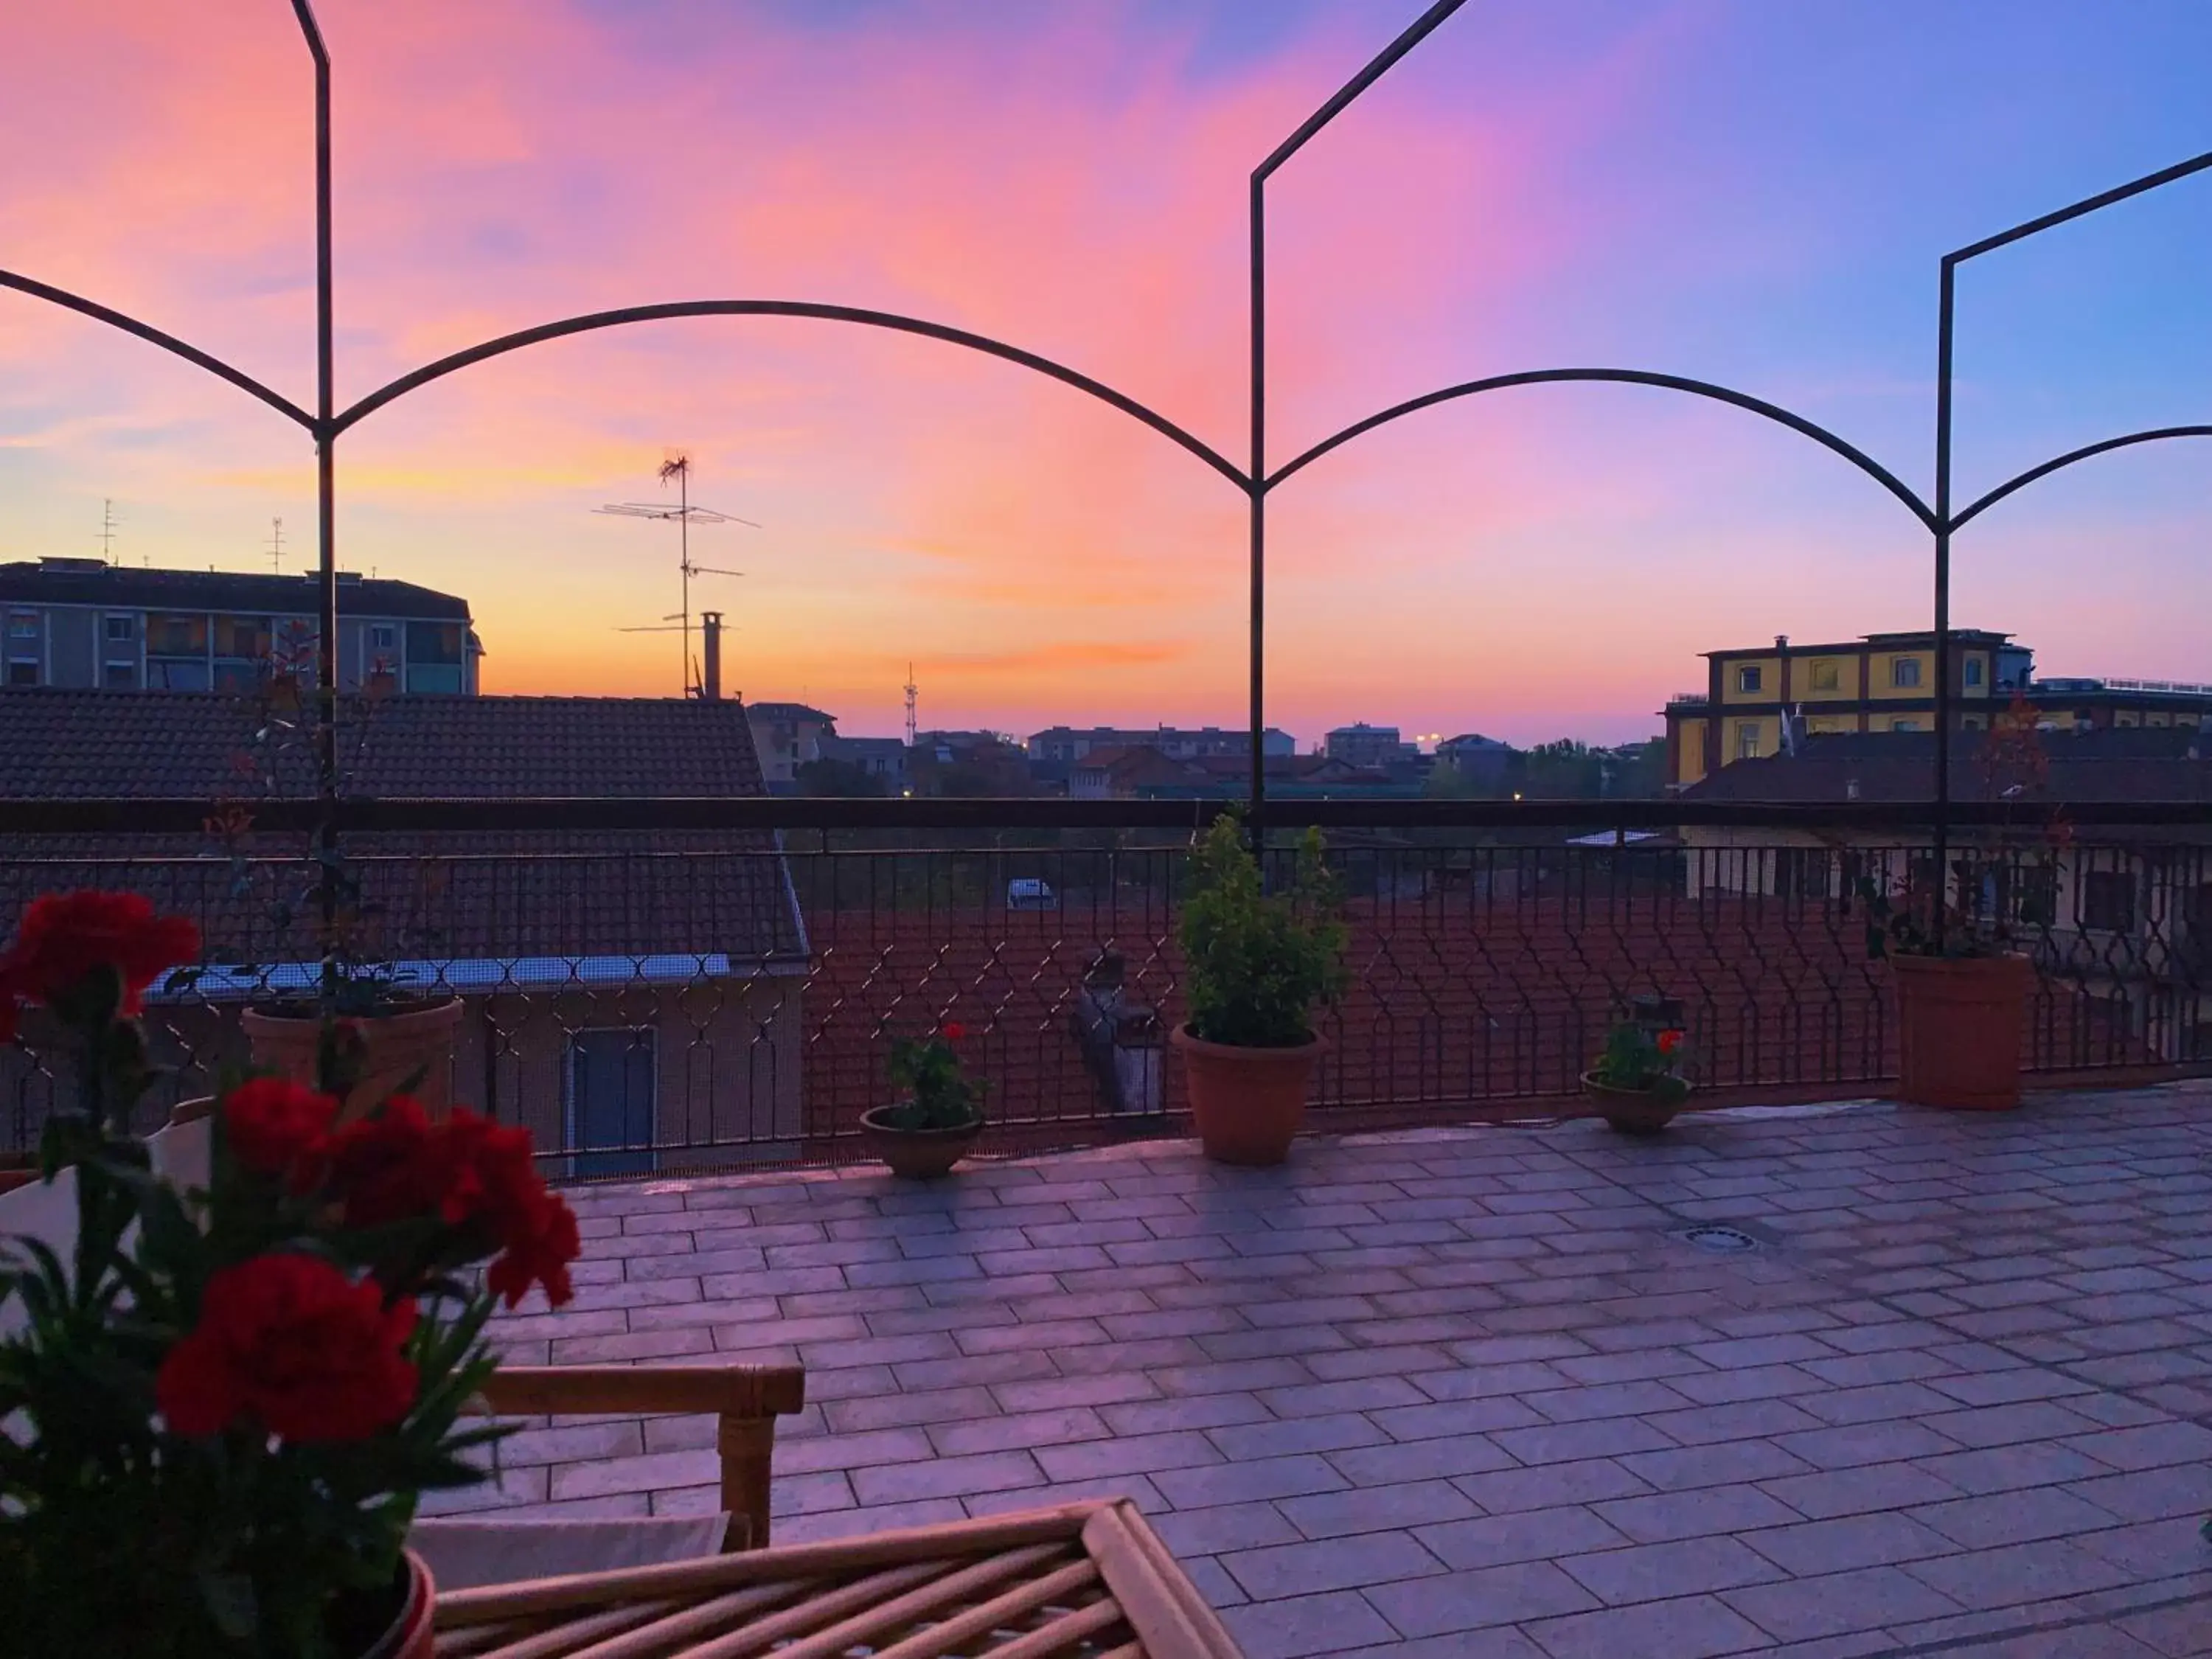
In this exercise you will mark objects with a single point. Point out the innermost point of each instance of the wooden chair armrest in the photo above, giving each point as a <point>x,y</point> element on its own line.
<point>745,1399</point>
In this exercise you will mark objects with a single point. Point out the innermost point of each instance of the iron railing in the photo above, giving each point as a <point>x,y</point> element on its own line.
<point>659,998</point>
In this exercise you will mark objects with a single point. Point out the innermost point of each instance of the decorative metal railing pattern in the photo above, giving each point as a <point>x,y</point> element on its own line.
<point>656,1001</point>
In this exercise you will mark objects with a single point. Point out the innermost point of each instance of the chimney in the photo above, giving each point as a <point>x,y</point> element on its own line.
<point>710,630</point>
<point>1781,641</point>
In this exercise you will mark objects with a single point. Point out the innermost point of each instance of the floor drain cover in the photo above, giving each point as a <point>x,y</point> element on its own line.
<point>1724,1241</point>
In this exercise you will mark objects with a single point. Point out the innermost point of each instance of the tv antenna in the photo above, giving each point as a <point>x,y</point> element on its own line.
<point>678,467</point>
<point>913,691</point>
<point>276,545</point>
<point>106,532</point>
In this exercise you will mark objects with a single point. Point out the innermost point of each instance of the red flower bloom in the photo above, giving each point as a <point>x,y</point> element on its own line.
<point>1669,1041</point>
<point>65,937</point>
<point>954,1031</point>
<point>469,1172</point>
<point>290,1344</point>
<point>273,1124</point>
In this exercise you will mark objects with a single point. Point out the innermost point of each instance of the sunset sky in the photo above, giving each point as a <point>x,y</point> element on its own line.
<point>1751,192</point>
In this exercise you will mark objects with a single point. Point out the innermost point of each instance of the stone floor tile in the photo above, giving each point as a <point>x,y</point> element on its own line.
<point>1471,1600</point>
<point>1734,1420</point>
<point>1352,1562</point>
<point>1301,1626</point>
<point>1854,1445</point>
<point>1248,1481</point>
<point>1685,1566</point>
<point>1715,1465</point>
<point>1223,1527</point>
<point>1529,1535</point>
<point>2155,1445</point>
<point>1275,1438</point>
<point>1421,1460</point>
<point>1810,1548</point>
<point>2019,1572</point>
<point>1118,1455</point>
<point>1564,1442</point>
<point>1018,1431</point>
<point>2183,1632</point>
<point>1373,1508</point>
<point>2156,1549</point>
<point>1667,1516</point>
<point>2150,1494</point>
<point>1835,1604</point>
<point>947,1477</point>
<point>1512,1492</point>
<point>1689,1627</point>
<point>2009,1468</point>
<point>1858,1490</point>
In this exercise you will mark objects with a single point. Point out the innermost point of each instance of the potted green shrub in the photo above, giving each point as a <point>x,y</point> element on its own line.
<point>1636,1082</point>
<point>922,1135</point>
<point>1962,994</point>
<point>1256,964</point>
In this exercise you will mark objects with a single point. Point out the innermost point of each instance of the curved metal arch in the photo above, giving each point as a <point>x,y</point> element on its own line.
<point>598,319</point>
<point>1865,462</point>
<point>169,342</point>
<point>2024,479</point>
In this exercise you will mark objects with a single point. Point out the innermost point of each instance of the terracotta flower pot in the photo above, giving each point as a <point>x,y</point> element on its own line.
<point>1959,1026</point>
<point>399,1045</point>
<point>916,1154</point>
<point>1633,1111</point>
<point>17,1169</point>
<point>1250,1103</point>
<point>409,1635</point>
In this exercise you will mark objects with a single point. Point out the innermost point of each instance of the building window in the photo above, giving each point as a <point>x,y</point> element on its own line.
<point>1824,678</point>
<point>242,636</point>
<point>383,637</point>
<point>121,630</point>
<point>183,676</point>
<point>23,625</point>
<point>2108,901</point>
<point>122,677</point>
<point>2038,887</point>
<point>1904,673</point>
<point>1973,674</point>
<point>1902,723</point>
<point>434,643</point>
<point>609,1088</point>
<point>23,673</point>
<point>433,676</point>
<point>1746,740</point>
<point>1747,679</point>
<point>177,636</point>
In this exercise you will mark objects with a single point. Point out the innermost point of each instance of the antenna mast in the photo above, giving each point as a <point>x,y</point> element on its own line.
<point>912,692</point>
<point>678,467</point>
<point>107,532</point>
<point>276,545</point>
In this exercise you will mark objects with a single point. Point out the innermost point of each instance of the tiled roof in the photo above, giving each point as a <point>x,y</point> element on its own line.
<point>2144,763</point>
<point>790,711</point>
<point>498,895</point>
<point>87,582</point>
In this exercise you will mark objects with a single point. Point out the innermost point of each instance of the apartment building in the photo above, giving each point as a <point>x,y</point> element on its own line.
<point>86,624</point>
<point>1064,744</point>
<point>1362,745</point>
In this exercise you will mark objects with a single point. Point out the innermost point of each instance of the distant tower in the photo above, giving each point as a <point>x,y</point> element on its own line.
<point>913,691</point>
<point>276,545</point>
<point>107,532</point>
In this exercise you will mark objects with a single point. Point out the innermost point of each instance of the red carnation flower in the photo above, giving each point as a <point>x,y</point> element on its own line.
<point>954,1031</point>
<point>1669,1041</point>
<point>534,1228</point>
<point>273,1125</point>
<point>396,1165</point>
<point>290,1344</point>
<point>67,937</point>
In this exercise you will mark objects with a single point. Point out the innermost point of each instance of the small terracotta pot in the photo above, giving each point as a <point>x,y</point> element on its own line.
<point>916,1154</point>
<point>399,1045</point>
<point>1960,1022</point>
<point>1249,1103</point>
<point>410,1635</point>
<point>17,1169</point>
<point>1632,1111</point>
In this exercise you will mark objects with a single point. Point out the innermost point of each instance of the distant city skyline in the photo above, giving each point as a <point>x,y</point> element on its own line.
<point>1752,194</point>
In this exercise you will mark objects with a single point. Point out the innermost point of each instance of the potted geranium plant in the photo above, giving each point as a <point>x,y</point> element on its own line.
<point>1256,964</point>
<point>224,1401</point>
<point>940,1111</point>
<point>1636,1081</point>
<point>1961,992</point>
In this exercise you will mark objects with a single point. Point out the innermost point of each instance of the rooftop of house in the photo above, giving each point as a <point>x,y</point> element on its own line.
<point>2120,765</point>
<point>518,894</point>
<point>92,582</point>
<point>790,711</point>
<point>1973,637</point>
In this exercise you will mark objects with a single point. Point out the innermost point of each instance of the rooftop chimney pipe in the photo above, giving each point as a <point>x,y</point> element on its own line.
<point>710,629</point>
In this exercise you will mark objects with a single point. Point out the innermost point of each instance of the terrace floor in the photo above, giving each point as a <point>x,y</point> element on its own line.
<point>1474,1393</point>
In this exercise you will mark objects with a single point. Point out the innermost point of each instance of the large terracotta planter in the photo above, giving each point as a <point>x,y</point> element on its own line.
<point>410,1636</point>
<point>917,1154</point>
<point>1250,1103</point>
<point>1960,1022</point>
<point>1632,1111</point>
<point>399,1045</point>
<point>17,1169</point>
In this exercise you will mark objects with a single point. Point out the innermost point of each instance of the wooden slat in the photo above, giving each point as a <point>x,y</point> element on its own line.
<point>1134,1650</point>
<point>1161,1623</point>
<point>594,1390</point>
<point>1064,1633</point>
<point>680,1625</point>
<point>946,1541</point>
<point>1219,1645</point>
<point>938,1640</point>
<point>903,1610</point>
<point>810,1616</point>
<point>564,1638</point>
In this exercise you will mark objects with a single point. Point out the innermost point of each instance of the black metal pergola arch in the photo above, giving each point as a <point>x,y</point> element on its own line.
<point>328,423</point>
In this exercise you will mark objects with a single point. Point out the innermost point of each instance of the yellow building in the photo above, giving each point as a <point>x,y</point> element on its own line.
<point>1877,683</point>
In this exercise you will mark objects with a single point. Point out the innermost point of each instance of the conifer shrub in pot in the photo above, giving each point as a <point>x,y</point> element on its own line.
<point>1961,991</point>
<point>1256,965</point>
